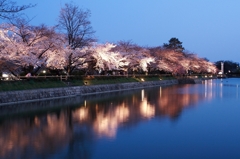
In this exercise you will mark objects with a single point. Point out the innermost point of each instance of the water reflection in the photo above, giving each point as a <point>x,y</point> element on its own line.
<point>41,136</point>
<point>221,88</point>
<point>72,130</point>
<point>146,110</point>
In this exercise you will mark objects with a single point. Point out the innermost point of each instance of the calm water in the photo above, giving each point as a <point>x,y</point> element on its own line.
<point>183,121</point>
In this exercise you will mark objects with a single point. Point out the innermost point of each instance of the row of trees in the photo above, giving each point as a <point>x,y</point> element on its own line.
<point>230,67</point>
<point>70,46</point>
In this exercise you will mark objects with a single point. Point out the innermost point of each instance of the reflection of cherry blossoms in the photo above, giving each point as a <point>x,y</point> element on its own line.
<point>32,134</point>
<point>146,109</point>
<point>107,124</point>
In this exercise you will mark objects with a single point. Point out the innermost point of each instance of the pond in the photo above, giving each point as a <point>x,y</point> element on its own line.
<point>179,121</point>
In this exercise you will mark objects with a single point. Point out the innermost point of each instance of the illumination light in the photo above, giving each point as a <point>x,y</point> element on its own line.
<point>142,79</point>
<point>4,75</point>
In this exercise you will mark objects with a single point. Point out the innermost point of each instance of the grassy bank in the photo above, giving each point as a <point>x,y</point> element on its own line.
<point>37,83</point>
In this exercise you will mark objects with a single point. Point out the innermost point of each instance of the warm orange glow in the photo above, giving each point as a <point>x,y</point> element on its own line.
<point>107,124</point>
<point>147,110</point>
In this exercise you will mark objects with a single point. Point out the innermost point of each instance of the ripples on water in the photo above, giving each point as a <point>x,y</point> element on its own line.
<point>181,121</point>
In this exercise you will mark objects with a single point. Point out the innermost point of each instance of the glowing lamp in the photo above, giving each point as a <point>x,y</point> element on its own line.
<point>4,75</point>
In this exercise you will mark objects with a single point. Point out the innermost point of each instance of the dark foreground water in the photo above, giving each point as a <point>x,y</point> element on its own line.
<point>182,121</point>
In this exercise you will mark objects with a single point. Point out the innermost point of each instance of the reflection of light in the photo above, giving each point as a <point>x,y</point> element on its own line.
<point>237,91</point>
<point>36,121</point>
<point>85,103</point>
<point>56,126</point>
<point>83,114</point>
<point>221,90</point>
<point>209,89</point>
<point>53,128</point>
<point>142,79</point>
<point>122,113</point>
<point>107,124</point>
<point>205,89</point>
<point>160,91</point>
<point>146,109</point>
<point>142,93</point>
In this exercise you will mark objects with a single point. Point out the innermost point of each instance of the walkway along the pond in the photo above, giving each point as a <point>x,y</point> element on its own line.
<point>13,97</point>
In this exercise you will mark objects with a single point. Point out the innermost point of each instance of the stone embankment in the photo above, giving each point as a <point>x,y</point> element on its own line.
<point>189,81</point>
<point>12,97</point>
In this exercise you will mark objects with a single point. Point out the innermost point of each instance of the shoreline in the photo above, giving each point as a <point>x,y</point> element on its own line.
<point>25,96</point>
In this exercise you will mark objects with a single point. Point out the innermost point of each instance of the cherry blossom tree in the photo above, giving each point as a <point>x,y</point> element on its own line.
<point>142,59</point>
<point>107,59</point>
<point>180,62</point>
<point>139,58</point>
<point>11,60</point>
<point>170,61</point>
<point>69,60</point>
<point>29,46</point>
<point>75,25</point>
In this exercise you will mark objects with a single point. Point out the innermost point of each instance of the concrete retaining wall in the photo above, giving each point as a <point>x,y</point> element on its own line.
<point>43,94</point>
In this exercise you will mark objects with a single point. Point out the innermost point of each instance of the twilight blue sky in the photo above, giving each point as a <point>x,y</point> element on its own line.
<point>209,28</point>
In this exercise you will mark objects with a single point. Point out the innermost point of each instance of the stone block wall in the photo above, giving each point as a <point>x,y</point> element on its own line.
<point>11,97</point>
